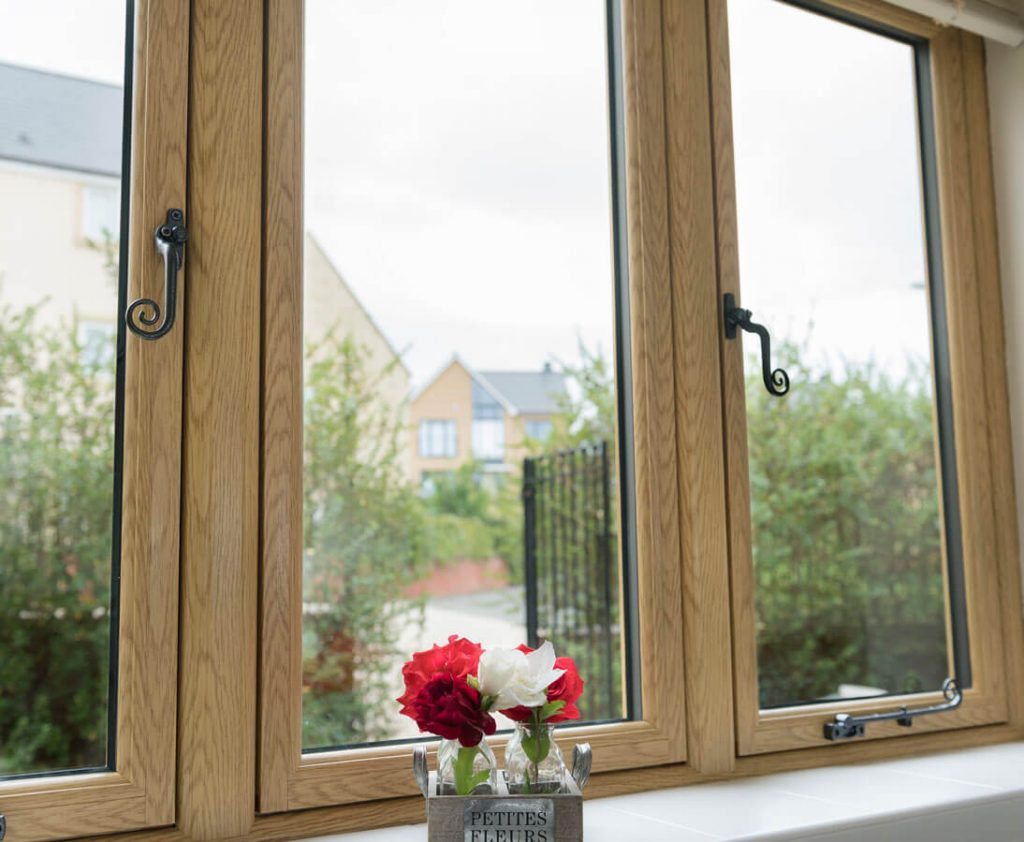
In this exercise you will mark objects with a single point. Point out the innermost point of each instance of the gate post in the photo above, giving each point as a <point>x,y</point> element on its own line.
<point>530,550</point>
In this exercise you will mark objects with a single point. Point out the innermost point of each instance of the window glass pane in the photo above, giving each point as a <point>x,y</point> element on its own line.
<point>489,439</point>
<point>845,479</point>
<point>61,106</point>
<point>437,439</point>
<point>539,430</point>
<point>101,213</point>
<point>459,285</point>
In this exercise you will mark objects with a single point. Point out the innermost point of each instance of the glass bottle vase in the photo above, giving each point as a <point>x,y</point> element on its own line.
<point>465,770</point>
<point>533,760</point>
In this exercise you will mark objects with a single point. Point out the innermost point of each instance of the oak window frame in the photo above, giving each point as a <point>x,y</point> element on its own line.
<point>290,779</point>
<point>695,603</point>
<point>238,750</point>
<point>139,791</point>
<point>978,391</point>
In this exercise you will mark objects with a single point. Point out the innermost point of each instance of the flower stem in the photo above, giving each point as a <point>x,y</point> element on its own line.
<point>536,746</point>
<point>465,779</point>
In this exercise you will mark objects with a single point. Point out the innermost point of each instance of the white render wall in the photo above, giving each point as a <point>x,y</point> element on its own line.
<point>43,257</point>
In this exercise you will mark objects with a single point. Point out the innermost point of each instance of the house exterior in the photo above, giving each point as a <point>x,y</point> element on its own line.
<point>330,307</point>
<point>60,201</point>
<point>465,415</point>
<point>60,197</point>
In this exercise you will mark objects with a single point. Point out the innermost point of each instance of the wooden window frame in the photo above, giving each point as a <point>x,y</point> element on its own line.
<point>693,607</point>
<point>140,792</point>
<point>240,662</point>
<point>289,780</point>
<point>979,400</point>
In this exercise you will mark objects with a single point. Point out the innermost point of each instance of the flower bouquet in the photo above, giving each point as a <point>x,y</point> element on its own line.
<point>453,690</point>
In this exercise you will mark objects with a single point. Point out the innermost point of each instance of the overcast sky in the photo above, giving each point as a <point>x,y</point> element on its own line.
<point>66,36</point>
<point>828,185</point>
<point>457,173</point>
<point>457,169</point>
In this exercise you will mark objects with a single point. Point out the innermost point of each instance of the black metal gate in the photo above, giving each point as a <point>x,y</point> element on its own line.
<point>571,568</point>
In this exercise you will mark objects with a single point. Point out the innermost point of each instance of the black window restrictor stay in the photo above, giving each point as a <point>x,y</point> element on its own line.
<point>845,726</point>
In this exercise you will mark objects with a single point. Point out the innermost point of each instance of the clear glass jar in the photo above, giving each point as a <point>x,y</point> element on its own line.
<point>533,760</point>
<point>466,771</point>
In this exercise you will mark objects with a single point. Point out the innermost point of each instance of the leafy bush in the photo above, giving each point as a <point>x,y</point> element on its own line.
<point>844,511</point>
<point>56,508</point>
<point>846,532</point>
<point>587,411</point>
<point>460,492</point>
<point>845,520</point>
<point>448,538</point>
<point>476,517</point>
<point>363,542</point>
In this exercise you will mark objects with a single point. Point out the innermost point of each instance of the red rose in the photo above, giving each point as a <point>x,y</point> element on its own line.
<point>449,707</point>
<point>568,688</point>
<point>458,657</point>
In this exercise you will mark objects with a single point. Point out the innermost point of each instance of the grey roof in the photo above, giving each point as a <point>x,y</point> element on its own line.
<point>60,121</point>
<point>530,392</point>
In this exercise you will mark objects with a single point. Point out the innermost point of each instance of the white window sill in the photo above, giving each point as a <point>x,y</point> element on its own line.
<point>974,794</point>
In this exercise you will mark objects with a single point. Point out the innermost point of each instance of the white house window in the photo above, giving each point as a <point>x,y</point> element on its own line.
<point>101,212</point>
<point>489,439</point>
<point>437,439</point>
<point>488,426</point>
<point>538,429</point>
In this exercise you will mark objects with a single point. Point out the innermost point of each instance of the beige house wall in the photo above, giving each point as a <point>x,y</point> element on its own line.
<point>449,396</point>
<point>46,262</point>
<point>330,306</point>
<point>515,436</point>
<point>43,256</point>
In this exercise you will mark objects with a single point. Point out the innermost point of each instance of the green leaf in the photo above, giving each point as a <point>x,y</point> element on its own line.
<point>536,745</point>
<point>550,709</point>
<point>478,779</point>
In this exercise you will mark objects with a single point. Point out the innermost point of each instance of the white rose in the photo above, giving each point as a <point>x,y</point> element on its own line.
<point>497,666</point>
<point>530,680</point>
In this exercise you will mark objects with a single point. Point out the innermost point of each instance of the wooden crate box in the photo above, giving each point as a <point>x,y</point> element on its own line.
<point>503,816</point>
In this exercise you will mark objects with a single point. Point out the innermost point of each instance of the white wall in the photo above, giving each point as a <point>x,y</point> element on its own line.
<point>1006,108</point>
<point>44,259</point>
